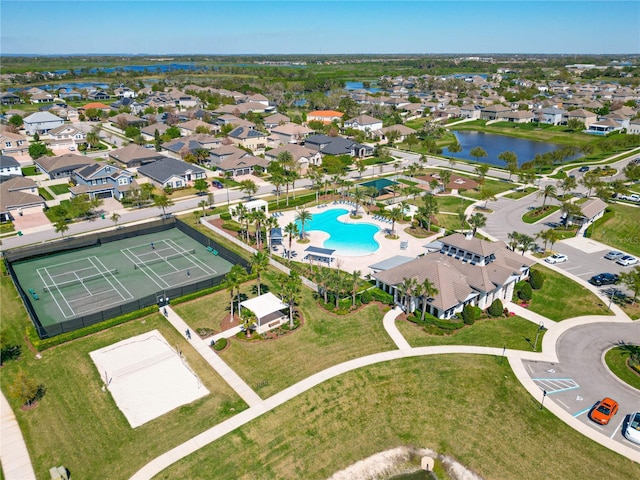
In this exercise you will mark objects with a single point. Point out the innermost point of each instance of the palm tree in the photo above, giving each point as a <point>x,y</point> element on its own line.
<point>569,210</point>
<point>514,240</point>
<point>426,290</point>
<point>358,197</point>
<point>147,190</point>
<point>232,282</point>
<point>462,217</point>
<point>277,180</point>
<point>323,277</point>
<point>291,290</point>
<point>632,280</point>
<point>317,178</point>
<point>548,191</point>
<point>526,242</point>
<point>259,263</point>
<point>477,220</point>
<point>427,209</point>
<point>242,214</point>
<point>396,214</point>
<point>163,202</point>
<point>486,194</point>
<point>292,230</point>
<point>259,217</point>
<point>355,284</point>
<point>203,204</point>
<point>407,288</point>
<point>445,176</point>
<point>285,159</point>
<point>567,184</point>
<point>303,217</point>
<point>248,319</point>
<point>482,170</point>
<point>93,137</point>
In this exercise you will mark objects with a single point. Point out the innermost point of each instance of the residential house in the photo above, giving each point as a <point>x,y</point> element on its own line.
<point>189,127</point>
<point>634,127</point>
<point>179,147</point>
<point>254,140</point>
<point>244,165</point>
<point>66,135</point>
<point>603,126</point>
<point>134,155</point>
<point>364,123</point>
<point>149,132</point>
<point>274,120</point>
<point>69,94</point>
<point>9,167</point>
<point>402,132</point>
<point>470,111</point>
<point>337,146</point>
<point>228,119</point>
<point>303,156</point>
<point>19,195</point>
<point>291,133</point>
<point>494,112</point>
<point>41,122</point>
<point>127,103</point>
<point>63,165</point>
<point>124,92</point>
<point>585,116</point>
<point>519,116</point>
<point>43,97</point>
<point>225,152</point>
<point>466,271</point>
<point>8,98</point>
<point>172,173</point>
<point>101,180</point>
<point>98,95</point>
<point>128,120</point>
<point>324,116</point>
<point>13,143</point>
<point>255,98</point>
<point>95,106</point>
<point>242,108</point>
<point>551,116</point>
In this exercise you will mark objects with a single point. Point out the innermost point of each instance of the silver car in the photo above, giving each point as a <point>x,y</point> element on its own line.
<point>614,255</point>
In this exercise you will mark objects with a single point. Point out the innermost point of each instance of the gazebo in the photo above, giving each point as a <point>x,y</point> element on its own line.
<point>268,310</point>
<point>319,254</point>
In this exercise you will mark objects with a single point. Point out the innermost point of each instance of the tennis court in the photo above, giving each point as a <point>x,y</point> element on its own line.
<point>72,284</point>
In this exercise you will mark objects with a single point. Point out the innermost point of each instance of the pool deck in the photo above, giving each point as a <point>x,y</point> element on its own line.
<point>388,248</point>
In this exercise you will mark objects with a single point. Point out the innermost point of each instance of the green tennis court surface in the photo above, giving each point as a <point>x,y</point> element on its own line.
<point>81,282</point>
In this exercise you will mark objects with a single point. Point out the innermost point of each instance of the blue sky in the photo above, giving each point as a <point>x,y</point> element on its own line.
<point>327,27</point>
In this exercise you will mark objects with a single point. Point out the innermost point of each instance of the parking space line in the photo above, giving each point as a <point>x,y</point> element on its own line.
<point>617,428</point>
<point>576,415</point>
<point>563,404</point>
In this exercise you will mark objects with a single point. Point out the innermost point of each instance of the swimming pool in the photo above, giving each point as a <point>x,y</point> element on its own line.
<point>349,239</point>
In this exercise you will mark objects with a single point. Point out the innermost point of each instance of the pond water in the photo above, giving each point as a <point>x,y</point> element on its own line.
<point>359,86</point>
<point>494,145</point>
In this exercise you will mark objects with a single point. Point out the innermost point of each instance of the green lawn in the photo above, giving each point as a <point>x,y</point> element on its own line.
<point>30,171</point>
<point>456,405</point>
<point>44,193</point>
<point>77,424</point>
<point>450,222</point>
<point>59,189</point>
<point>449,203</point>
<point>520,193</point>
<point>511,332</point>
<point>537,214</point>
<point>618,228</point>
<point>616,359</point>
<point>561,298</point>
<point>495,185</point>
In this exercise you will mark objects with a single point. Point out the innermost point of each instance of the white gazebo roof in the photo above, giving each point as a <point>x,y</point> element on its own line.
<point>264,305</point>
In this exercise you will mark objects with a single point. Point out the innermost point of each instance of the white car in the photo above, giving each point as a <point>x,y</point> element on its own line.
<point>556,258</point>
<point>627,260</point>
<point>632,433</point>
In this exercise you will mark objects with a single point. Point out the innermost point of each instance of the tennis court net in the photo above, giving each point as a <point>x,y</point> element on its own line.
<point>165,259</point>
<point>79,280</point>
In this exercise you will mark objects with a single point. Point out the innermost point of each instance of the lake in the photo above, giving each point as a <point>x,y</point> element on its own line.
<point>494,145</point>
<point>359,86</point>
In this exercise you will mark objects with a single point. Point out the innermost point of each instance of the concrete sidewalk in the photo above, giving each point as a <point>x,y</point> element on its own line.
<point>204,349</point>
<point>16,464</point>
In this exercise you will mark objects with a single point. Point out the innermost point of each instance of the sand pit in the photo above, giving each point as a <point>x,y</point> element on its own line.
<point>147,377</point>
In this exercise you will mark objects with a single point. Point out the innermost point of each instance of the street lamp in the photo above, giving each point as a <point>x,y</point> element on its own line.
<point>544,395</point>
<point>540,328</point>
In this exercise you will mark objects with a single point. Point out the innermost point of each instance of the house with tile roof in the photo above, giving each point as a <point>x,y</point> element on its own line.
<point>494,112</point>
<point>290,133</point>
<point>101,180</point>
<point>304,157</point>
<point>18,196</point>
<point>242,165</point>
<point>590,211</point>
<point>401,130</point>
<point>65,135</point>
<point>324,116</point>
<point>364,123</point>
<point>8,98</point>
<point>134,155</point>
<point>585,116</point>
<point>274,120</point>
<point>465,271</point>
<point>62,166</point>
<point>13,143</point>
<point>172,173</point>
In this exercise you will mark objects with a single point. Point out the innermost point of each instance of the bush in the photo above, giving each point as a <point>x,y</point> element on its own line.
<point>536,279</point>
<point>220,344</point>
<point>525,292</point>
<point>477,312</point>
<point>365,297</point>
<point>496,308</point>
<point>468,315</point>
<point>381,296</point>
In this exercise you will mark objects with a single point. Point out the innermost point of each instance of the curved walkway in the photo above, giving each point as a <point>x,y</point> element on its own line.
<point>515,357</point>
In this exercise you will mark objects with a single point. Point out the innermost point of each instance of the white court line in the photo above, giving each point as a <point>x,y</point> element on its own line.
<point>105,277</point>
<point>142,269</point>
<point>193,258</point>
<point>54,297</point>
<point>115,279</point>
<point>75,272</point>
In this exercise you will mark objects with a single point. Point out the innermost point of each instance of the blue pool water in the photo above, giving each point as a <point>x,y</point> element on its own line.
<point>347,239</point>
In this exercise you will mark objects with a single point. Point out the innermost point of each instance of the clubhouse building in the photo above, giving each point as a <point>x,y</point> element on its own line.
<point>465,271</point>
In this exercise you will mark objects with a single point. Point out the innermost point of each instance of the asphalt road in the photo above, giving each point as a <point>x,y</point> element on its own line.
<point>581,378</point>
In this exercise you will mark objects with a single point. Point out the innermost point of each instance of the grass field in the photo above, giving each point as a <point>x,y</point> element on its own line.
<point>60,188</point>
<point>518,194</point>
<point>619,228</point>
<point>616,359</point>
<point>511,332</point>
<point>561,298</point>
<point>450,222</point>
<point>495,186</point>
<point>448,203</point>
<point>463,406</point>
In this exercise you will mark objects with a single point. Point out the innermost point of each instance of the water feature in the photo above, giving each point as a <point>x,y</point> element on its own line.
<point>348,239</point>
<point>359,86</point>
<point>494,144</point>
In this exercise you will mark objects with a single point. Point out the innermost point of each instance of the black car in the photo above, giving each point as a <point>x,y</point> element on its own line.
<point>604,279</point>
<point>584,169</point>
<point>217,184</point>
